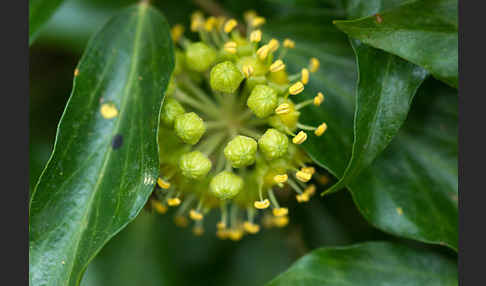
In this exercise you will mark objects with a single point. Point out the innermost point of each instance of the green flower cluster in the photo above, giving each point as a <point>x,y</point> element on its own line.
<point>225,126</point>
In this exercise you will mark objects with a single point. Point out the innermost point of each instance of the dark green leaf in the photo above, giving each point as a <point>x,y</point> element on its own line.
<point>102,170</point>
<point>386,88</point>
<point>422,32</point>
<point>372,263</point>
<point>39,12</point>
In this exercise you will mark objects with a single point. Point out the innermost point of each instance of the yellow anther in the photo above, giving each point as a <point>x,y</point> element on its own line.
<point>256,36</point>
<point>108,110</point>
<point>197,21</point>
<point>262,52</point>
<point>235,234</point>
<point>198,230</point>
<point>320,129</point>
<point>220,22</point>
<point>257,21</point>
<point>267,220</point>
<point>302,198</point>
<point>158,207</point>
<point>230,47</point>
<point>296,88</point>
<point>163,184</point>
<point>278,65</point>
<point>310,190</point>
<point>303,176</point>
<point>304,76</point>
<point>220,225</point>
<point>281,221</point>
<point>281,178</point>
<point>211,22</point>
<point>247,70</point>
<point>282,109</point>
<point>273,44</point>
<point>288,43</point>
<point>181,221</point>
<point>222,234</point>
<point>318,99</point>
<point>176,32</point>
<point>173,202</point>
<point>261,204</point>
<point>251,227</point>
<point>299,138</point>
<point>314,65</point>
<point>310,170</point>
<point>230,25</point>
<point>76,72</point>
<point>280,212</point>
<point>249,15</point>
<point>195,215</point>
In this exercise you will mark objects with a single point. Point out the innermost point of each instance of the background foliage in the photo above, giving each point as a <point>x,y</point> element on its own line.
<point>392,145</point>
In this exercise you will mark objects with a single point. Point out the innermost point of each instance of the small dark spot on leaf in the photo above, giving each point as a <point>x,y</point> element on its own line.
<point>117,141</point>
<point>379,19</point>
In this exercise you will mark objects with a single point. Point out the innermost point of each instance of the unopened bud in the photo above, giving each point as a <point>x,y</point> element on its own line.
<point>189,127</point>
<point>273,144</point>
<point>262,100</point>
<point>225,185</point>
<point>199,56</point>
<point>241,151</point>
<point>170,110</point>
<point>225,77</point>
<point>194,165</point>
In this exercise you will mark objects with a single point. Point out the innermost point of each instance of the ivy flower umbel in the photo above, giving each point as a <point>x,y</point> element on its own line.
<point>230,136</point>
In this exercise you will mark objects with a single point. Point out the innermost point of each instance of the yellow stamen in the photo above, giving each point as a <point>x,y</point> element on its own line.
<point>180,221</point>
<point>320,129</point>
<point>211,22</point>
<point>230,47</point>
<point>280,212</point>
<point>310,190</point>
<point>303,176</point>
<point>256,36</point>
<point>314,65</point>
<point>198,230</point>
<point>318,99</point>
<point>230,25</point>
<point>278,65</point>
<point>247,70</point>
<point>163,184</point>
<point>108,110</point>
<point>273,44</point>
<point>262,52</point>
<point>302,198</point>
<point>310,170</point>
<point>281,178</point>
<point>220,225</point>
<point>249,15</point>
<point>261,204</point>
<point>299,138</point>
<point>288,43</point>
<point>197,21</point>
<point>281,221</point>
<point>158,207</point>
<point>257,21</point>
<point>304,76</point>
<point>220,22</point>
<point>235,234</point>
<point>251,227</point>
<point>76,72</point>
<point>173,202</point>
<point>195,215</point>
<point>296,88</point>
<point>267,220</point>
<point>282,109</point>
<point>176,32</point>
<point>222,234</point>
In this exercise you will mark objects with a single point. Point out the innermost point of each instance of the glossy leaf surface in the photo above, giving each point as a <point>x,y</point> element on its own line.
<point>39,12</point>
<point>372,263</point>
<point>105,159</point>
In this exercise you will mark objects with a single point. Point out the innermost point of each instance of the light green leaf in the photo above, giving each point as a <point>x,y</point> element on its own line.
<point>372,263</point>
<point>105,163</point>
<point>39,12</point>
<point>423,32</point>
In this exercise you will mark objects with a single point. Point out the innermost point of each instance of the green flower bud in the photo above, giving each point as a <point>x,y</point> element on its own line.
<point>189,127</point>
<point>225,185</point>
<point>241,151</point>
<point>199,56</point>
<point>262,101</point>
<point>194,165</point>
<point>170,110</point>
<point>225,77</point>
<point>273,144</point>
